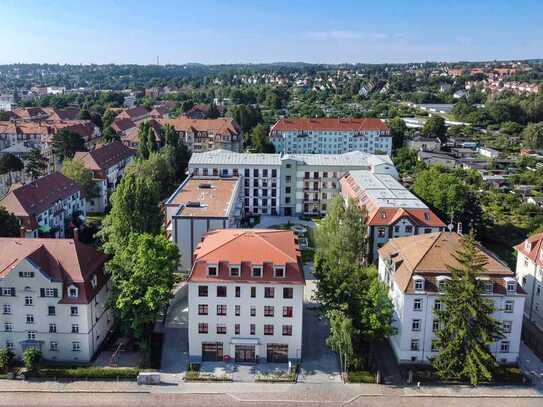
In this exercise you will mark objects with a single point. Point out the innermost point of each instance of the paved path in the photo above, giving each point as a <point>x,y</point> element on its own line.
<point>267,221</point>
<point>531,365</point>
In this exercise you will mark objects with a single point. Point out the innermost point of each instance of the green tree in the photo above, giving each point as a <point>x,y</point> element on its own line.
<point>36,164</point>
<point>109,135</point>
<point>466,325</point>
<point>398,130</point>
<point>32,358</point>
<point>532,135</point>
<point>6,359</point>
<point>84,114</point>
<point>170,136</point>
<point>158,168</point>
<point>435,127</point>
<point>134,209</point>
<point>142,275</point>
<point>341,337</point>
<point>143,135</point>
<point>65,143</point>
<point>76,171</point>
<point>9,224</point>
<point>260,141</point>
<point>108,118</point>
<point>10,163</point>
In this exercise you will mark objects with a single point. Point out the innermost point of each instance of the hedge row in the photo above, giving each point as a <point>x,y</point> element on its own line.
<point>361,376</point>
<point>88,373</point>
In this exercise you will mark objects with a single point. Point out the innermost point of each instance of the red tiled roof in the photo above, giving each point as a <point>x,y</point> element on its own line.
<point>248,247</point>
<point>536,247</point>
<point>105,156</point>
<point>329,124</point>
<point>133,113</point>
<point>222,125</point>
<point>122,124</point>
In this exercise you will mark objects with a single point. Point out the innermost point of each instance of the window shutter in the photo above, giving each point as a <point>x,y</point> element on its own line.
<point>42,292</point>
<point>55,292</point>
<point>20,273</point>
<point>1,291</point>
<point>13,291</point>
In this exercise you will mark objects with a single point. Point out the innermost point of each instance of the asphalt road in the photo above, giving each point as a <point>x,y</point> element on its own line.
<point>203,400</point>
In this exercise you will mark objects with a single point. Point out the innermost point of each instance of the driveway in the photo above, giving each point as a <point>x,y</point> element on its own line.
<point>531,365</point>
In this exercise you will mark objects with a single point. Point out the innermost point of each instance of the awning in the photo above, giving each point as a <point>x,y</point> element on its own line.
<point>44,229</point>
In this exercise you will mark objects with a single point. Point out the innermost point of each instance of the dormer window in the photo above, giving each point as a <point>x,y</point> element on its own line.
<point>234,271</point>
<point>426,216</point>
<point>511,285</point>
<point>257,271</point>
<point>419,283</point>
<point>528,245</point>
<point>279,272</point>
<point>488,287</point>
<point>73,292</point>
<point>212,270</point>
<point>94,281</point>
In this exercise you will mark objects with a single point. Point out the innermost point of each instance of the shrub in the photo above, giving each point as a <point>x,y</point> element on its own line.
<point>361,376</point>
<point>89,373</point>
<point>6,359</point>
<point>32,359</point>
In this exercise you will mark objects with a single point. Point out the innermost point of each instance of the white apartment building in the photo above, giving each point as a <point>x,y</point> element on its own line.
<point>287,184</point>
<point>415,270</point>
<point>53,294</point>
<point>107,164</point>
<point>392,210</point>
<point>46,206</point>
<point>529,273</point>
<point>199,205</point>
<point>246,297</point>
<point>331,136</point>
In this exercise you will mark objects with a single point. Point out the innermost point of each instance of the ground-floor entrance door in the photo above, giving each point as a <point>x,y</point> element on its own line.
<point>212,352</point>
<point>245,353</point>
<point>288,211</point>
<point>277,353</point>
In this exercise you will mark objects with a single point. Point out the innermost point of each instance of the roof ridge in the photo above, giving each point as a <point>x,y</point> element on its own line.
<point>274,246</point>
<point>437,235</point>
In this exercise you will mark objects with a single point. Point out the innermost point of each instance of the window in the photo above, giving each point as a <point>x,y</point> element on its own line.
<point>279,272</point>
<point>221,309</point>
<point>288,292</point>
<point>221,329</point>
<point>74,311</point>
<point>28,301</point>
<point>257,271</point>
<point>212,271</point>
<point>202,328</point>
<point>8,327</point>
<point>435,346</point>
<point>26,274</point>
<point>221,291</point>
<point>268,311</point>
<point>269,292</point>
<point>246,172</point>
<point>408,229</point>
<point>435,325</point>
<point>51,311</point>
<point>52,328</point>
<point>509,306</point>
<point>287,312</point>
<point>7,309</point>
<point>72,292</point>
<point>252,329</point>
<point>75,328</point>
<point>380,232</point>
<point>504,346</point>
<point>488,287</point>
<point>506,326</point>
<point>202,309</point>
<point>511,286</point>
<point>94,281</point>
<point>202,291</point>
<point>268,329</point>
<point>31,335</point>
<point>396,229</point>
<point>53,346</point>
<point>234,271</point>
<point>29,318</point>
<point>441,285</point>
<point>237,329</point>
<point>9,344</point>
<point>49,292</point>
<point>238,291</point>
<point>237,311</point>
<point>414,345</point>
<point>253,311</point>
<point>287,330</point>
<point>8,292</point>
<point>419,285</point>
<point>415,325</point>
<point>255,172</point>
<point>253,292</point>
<point>437,305</point>
<point>417,304</point>
<point>76,347</point>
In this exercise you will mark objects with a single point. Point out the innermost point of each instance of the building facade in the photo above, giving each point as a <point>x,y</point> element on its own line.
<point>392,211</point>
<point>246,297</point>
<point>54,295</point>
<point>198,206</point>
<point>529,272</point>
<point>415,269</point>
<point>331,136</point>
<point>47,206</point>
<point>107,164</point>
<point>287,184</point>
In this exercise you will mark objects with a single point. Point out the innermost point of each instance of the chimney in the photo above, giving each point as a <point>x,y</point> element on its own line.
<point>76,235</point>
<point>459,228</point>
<point>22,231</point>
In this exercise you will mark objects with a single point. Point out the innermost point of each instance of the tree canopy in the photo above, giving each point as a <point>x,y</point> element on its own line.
<point>9,224</point>
<point>533,135</point>
<point>66,143</point>
<point>76,171</point>
<point>435,127</point>
<point>36,164</point>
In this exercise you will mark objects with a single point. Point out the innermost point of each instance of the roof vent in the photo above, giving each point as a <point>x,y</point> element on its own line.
<point>205,186</point>
<point>193,204</point>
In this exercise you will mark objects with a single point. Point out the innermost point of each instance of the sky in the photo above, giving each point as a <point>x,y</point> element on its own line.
<point>258,31</point>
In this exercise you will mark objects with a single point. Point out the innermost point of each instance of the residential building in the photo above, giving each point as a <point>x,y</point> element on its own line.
<point>420,143</point>
<point>46,206</point>
<point>137,114</point>
<point>391,209</point>
<point>529,273</point>
<point>416,269</point>
<point>107,164</point>
<point>287,184</point>
<point>54,296</point>
<point>207,134</point>
<point>331,136</point>
<point>201,111</point>
<point>488,152</point>
<point>199,205</point>
<point>246,293</point>
<point>437,158</point>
